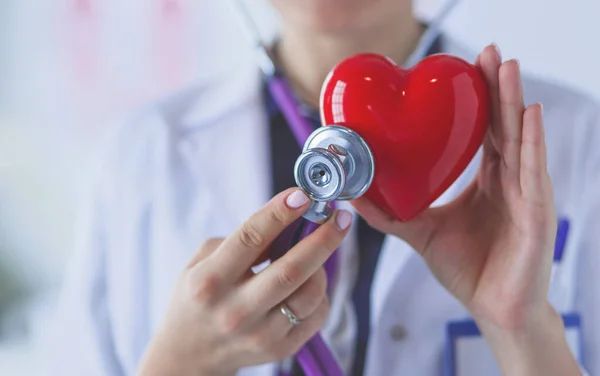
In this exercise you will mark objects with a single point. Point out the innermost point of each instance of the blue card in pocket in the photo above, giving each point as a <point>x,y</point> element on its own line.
<point>561,238</point>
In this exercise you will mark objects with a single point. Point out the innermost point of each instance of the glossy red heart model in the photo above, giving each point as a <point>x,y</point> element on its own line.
<point>423,125</point>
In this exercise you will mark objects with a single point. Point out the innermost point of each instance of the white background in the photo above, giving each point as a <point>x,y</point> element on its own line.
<point>67,74</point>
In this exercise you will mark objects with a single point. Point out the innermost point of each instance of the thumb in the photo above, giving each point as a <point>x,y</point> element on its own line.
<point>417,232</point>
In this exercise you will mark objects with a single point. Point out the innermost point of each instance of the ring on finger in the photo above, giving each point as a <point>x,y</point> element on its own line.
<point>291,316</point>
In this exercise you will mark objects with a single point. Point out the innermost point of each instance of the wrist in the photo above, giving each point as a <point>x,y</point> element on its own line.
<point>536,347</point>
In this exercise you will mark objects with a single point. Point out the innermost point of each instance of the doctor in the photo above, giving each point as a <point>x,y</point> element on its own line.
<point>196,186</point>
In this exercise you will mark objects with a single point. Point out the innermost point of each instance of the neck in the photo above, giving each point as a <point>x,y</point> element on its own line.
<point>307,57</point>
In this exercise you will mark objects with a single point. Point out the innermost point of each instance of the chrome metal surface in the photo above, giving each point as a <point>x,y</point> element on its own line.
<point>354,153</point>
<point>321,174</point>
<point>318,212</point>
<point>336,164</point>
<point>291,316</point>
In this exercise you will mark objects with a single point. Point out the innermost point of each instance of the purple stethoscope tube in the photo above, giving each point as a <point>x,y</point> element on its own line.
<point>315,358</point>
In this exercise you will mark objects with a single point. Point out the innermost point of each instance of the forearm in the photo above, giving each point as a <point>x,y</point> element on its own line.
<point>539,348</point>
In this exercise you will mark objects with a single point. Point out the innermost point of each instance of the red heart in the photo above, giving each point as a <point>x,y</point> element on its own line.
<point>424,125</point>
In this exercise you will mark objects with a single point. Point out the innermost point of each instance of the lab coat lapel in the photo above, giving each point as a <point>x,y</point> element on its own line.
<point>230,149</point>
<point>226,143</point>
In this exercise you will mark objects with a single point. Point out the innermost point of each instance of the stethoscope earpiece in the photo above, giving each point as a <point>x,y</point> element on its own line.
<point>336,164</point>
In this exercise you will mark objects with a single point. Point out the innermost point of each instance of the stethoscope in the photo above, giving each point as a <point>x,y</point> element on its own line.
<point>336,164</point>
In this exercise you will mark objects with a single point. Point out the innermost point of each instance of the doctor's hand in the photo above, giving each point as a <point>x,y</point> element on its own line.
<point>223,317</point>
<point>492,247</point>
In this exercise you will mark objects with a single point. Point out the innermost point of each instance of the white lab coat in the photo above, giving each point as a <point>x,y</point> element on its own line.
<point>197,164</point>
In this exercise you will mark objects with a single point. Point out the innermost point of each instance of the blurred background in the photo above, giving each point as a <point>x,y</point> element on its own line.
<point>70,69</point>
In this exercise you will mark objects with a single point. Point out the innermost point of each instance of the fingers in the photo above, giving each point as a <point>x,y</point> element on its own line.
<point>300,334</point>
<point>418,232</point>
<point>304,301</point>
<point>281,339</point>
<point>490,60</point>
<point>512,109</point>
<point>242,248</point>
<point>533,171</point>
<point>278,281</point>
<point>374,216</point>
<point>205,250</point>
<point>505,134</point>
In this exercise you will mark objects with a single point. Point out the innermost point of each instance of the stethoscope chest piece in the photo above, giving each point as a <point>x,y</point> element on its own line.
<point>336,164</point>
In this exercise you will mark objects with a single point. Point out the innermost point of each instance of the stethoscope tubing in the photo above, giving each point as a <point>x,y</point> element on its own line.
<point>315,358</point>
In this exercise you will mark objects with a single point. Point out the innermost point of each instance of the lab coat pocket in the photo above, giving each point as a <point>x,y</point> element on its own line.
<point>467,353</point>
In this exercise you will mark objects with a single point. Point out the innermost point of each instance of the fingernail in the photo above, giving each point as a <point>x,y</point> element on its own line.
<point>498,52</point>
<point>541,107</point>
<point>343,220</point>
<point>296,199</point>
<point>518,63</point>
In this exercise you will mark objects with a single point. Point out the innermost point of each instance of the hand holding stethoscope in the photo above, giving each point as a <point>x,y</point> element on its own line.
<point>222,317</point>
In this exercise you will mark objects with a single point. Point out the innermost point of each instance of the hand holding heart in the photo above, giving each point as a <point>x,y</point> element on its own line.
<point>492,247</point>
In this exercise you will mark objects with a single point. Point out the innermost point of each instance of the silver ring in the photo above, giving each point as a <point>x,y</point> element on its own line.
<point>287,312</point>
